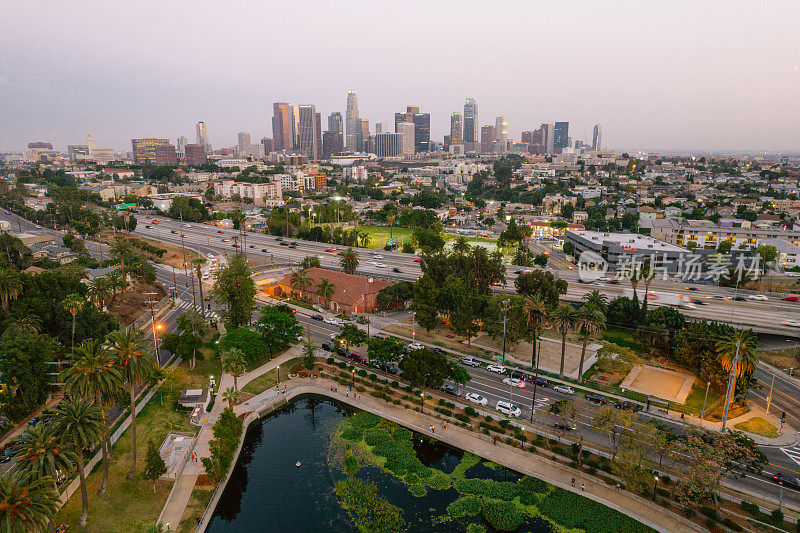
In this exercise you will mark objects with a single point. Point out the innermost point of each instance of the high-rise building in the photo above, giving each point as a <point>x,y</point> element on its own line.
<point>332,143</point>
<point>202,136</point>
<point>422,132</point>
<point>318,133</point>
<point>281,127</point>
<point>406,129</point>
<point>380,127</point>
<point>560,137</point>
<point>144,150</point>
<point>39,145</point>
<point>351,122</point>
<point>362,134</point>
<point>597,137</point>
<point>456,128</point>
<point>335,123</point>
<point>182,142</point>
<point>268,144</point>
<point>487,139</point>
<point>166,155</point>
<point>547,137</point>
<point>195,154</point>
<point>534,141</point>
<point>501,129</point>
<point>388,144</point>
<point>307,127</point>
<point>470,121</point>
<point>294,120</point>
<point>244,143</point>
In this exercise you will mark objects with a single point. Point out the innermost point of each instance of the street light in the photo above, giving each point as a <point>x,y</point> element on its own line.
<point>279,374</point>
<point>703,412</point>
<point>655,485</point>
<point>422,402</point>
<point>354,379</point>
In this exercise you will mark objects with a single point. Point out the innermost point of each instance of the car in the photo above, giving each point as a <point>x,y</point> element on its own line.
<point>378,256</point>
<point>786,480</point>
<point>564,389</point>
<point>7,455</point>
<point>37,226</point>
<point>436,349</point>
<point>518,272</point>
<point>317,317</point>
<point>470,361</point>
<point>252,246</point>
<point>415,346</point>
<point>391,367</point>
<point>718,297</point>
<point>541,382</point>
<point>380,265</point>
<point>328,346</point>
<point>206,298</point>
<point>514,382</point>
<point>174,232</point>
<point>332,320</point>
<point>292,246</point>
<point>698,302</point>
<point>613,282</point>
<point>760,297</point>
<point>265,250</point>
<point>516,374</point>
<point>692,289</point>
<point>564,426</point>
<point>395,269</point>
<point>235,245</point>
<point>476,398</point>
<point>739,298</point>
<point>381,336</point>
<point>627,405</point>
<point>500,369</point>
<point>418,260</point>
<point>596,399</point>
<point>330,250</point>
<point>355,356</point>
<point>508,408</point>
<point>449,389</point>
<point>791,299</point>
<point>284,243</point>
<point>220,231</point>
<point>295,243</point>
<point>791,323</point>
<point>149,226</point>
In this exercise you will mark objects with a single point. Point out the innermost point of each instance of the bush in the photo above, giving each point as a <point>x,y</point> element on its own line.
<point>445,412</point>
<point>330,360</point>
<point>709,513</point>
<point>462,418</point>
<point>361,373</point>
<point>503,516</point>
<point>688,512</point>
<point>504,423</point>
<point>395,384</point>
<point>470,411</point>
<point>730,524</point>
<point>467,506</point>
<point>777,516</point>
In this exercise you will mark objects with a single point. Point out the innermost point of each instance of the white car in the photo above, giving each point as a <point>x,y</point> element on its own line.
<point>470,361</point>
<point>415,346</point>
<point>476,398</point>
<point>565,389</point>
<point>380,265</point>
<point>791,323</point>
<point>500,369</point>
<point>378,256</point>
<point>508,408</point>
<point>761,297</point>
<point>514,382</point>
<point>332,320</point>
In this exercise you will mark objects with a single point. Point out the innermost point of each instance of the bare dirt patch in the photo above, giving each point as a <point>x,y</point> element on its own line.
<point>130,305</point>
<point>172,257</point>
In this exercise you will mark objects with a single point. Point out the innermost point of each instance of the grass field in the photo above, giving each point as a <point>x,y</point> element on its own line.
<point>379,235</point>
<point>759,426</point>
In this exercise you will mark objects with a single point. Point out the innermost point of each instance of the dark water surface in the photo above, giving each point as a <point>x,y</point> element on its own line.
<point>267,492</point>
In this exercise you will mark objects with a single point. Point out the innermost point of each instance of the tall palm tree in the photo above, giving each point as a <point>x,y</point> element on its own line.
<point>197,265</point>
<point>115,283</point>
<point>136,364</point>
<point>536,317</point>
<point>300,281</point>
<point>461,246</point>
<point>192,323</point>
<point>591,319</point>
<point>99,290</point>
<point>10,287</point>
<point>234,363</point>
<point>40,452</point>
<point>26,504</point>
<point>80,423</point>
<point>73,304</point>
<point>325,290</point>
<point>119,249</point>
<point>348,260</point>
<point>365,239</point>
<point>563,316</point>
<point>390,219</point>
<point>596,298</point>
<point>748,353</point>
<point>93,374</point>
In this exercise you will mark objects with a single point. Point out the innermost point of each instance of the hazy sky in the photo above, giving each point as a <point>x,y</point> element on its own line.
<point>710,74</point>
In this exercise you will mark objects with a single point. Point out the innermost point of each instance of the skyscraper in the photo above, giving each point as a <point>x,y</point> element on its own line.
<point>310,143</point>
<point>332,143</point>
<point>456,128</point>
<point>534,140</point>
<point>560,137</point>
<point>547,137</point>
<point>597,137</point>
<point>407,130</point>
<point>362,134</point>
<point>351,122</point>
<point>470,121</point>
<point>281,129</point>
<point>487,139</point>
<point>202,136</point>
<point>145,150</point>
<point>388,144</point>
<point>195,154</point>
<point>335,122</point>
<point>422,132</point>
<point>182,142</point>
<point>244,143</point>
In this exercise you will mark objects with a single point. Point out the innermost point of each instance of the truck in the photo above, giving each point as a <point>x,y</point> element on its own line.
<point>659,298</point>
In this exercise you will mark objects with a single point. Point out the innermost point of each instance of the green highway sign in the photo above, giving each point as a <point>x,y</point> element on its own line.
<point>124,206</point>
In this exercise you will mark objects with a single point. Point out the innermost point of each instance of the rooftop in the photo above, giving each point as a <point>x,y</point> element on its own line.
<point>630,241</point>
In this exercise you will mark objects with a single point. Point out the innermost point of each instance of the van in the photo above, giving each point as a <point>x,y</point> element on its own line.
<point>508,409</point>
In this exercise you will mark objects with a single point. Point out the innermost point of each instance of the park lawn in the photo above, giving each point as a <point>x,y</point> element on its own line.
<point>694,402</point>
<point>380,234</point>
<point>130,505</point>
<point>199,500</point>
<point>622,338</point>
<point>270,379</point>
<point>759,426</point>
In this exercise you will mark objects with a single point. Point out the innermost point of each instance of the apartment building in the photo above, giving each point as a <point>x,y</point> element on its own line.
<point>261,193</point>
<point>706,235</point>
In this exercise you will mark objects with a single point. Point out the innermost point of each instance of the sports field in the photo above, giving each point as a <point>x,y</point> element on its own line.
<point>379,235</point>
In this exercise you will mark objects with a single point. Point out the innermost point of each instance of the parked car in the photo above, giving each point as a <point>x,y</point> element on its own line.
<point>332,320</point>
<point>470,361</point>
<point>541,382</point>
<point>317,317</point>
<point>596,399</point>
<point>436,349</point>
<point>786,480</point>
<point>382,336</point>
<point>508,408</point>
<point>328,346</point>
<point>476,398</point>
<point>514,382</point>
<point>500,369</point>
<point>627,405</point>
<point>565,389</point>
<point>7,455</point>
<point>415,346</point>
<point>449,389</point>
<point>355,356</point>
<point>565,426</point>
<point>391,367</point>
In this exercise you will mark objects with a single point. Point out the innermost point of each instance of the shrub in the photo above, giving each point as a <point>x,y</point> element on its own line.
<point>502,490</point>
<point>503,516</point>
<point>445,412</point>
<point>488,418</point>
<point>467,506</point>
<point>730,524</point>
<point>330,360</point>
<point>395,384</point>
<point>688,512</point>
<point>476,528</point>
<point>777,516</point>
<point>709,513</point>
<point>418,490</point>
<point>504,423</point>
<point>462,418</point>
<point>361,373</point>
<point>470,411</point>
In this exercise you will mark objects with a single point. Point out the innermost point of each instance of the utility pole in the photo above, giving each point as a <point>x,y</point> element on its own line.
<point>174,283</point>
<point>536,377</point>
<point>769,398</point>
<point>150,302</point>
<point>505,319</point>
<point>703,412</point>
<point>731,385</point>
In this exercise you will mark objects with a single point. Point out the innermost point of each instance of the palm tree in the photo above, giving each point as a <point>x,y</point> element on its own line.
<point>99,290</point>
<point>119,248</point>
<point>748,353</point>
<point>10,287</point>
<point>155,528</point>
<point>136,364</point>
<point>231,396</point>
<point>192,323</point>
<point>590,320</point>
<point>365,239</point>
<point>461,246</point>
<point>93,374</point>
<point>536,317</point>
<point>390,219</point>
<point>26,504</point>
<point>197,264</point>
<point>349,260</point>
<point>234,363</point>
<point>564,319</point>
<point>73,304</point>
<point>596,298</point>
<point>40,453</point>
<point>80,423</point>
<point>30,323</point>
<point>299,281</point>
<point>325,290</point>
